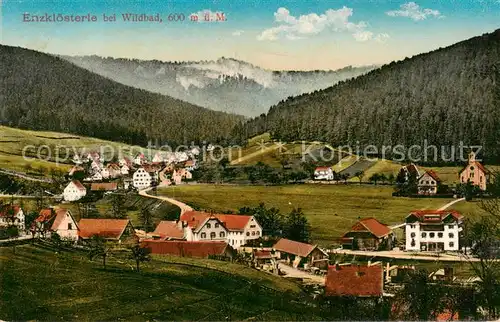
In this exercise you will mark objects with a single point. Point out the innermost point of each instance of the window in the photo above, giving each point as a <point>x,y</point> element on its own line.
<point>481,179</point>
<point>412,226</point>
<point>209,226</point>
<point>222,234</point>
<point>413,243</point>
<point>440,235</point>
<point>248,233</point>
<point>70,226</point>
<point>432,182</point>
<point>252,226</point>
<point>451,235</point>
<point>232,242</point>
<point>213,235</point>
<point>412,235</point>
<point>203,235</point>
<point>216,225</point>
<point>472,168</point>
<point>431,235</point>
<point>424,235</point>
<point>253,233</point>
<point>450,226</point>
<point>258,233</point>
<point>452,244</point>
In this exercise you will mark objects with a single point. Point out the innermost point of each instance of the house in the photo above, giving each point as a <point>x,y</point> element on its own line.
<point>178,175</point>
<point>76,169</point>
<point>110,229</point>
<point>190,165</point>
<point>159,157</point>
<point>299,254</point>
<point>443,274</point>
<point>407,172</point>
<point>236,230</point>
<point>105,173</point>
<point>124,170</point>
<point>12,215</point>
<point>475,173</point>
<point>182,248</point>
<point>354,280</point>
<point>428,183</point>
<point>74,191</point>
<point>141,179</point>
<point>140,159</point>
<point>263,258</point>
<point>95,175</point>
<point>368,234</point>
<point>433,230</point>
<point>323,173</point>
<point>57,220</point>
<point>168,230</point>
<point>114,170</point>
<point>105,186</point>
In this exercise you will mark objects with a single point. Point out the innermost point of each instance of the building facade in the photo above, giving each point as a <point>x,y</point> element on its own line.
<point>141,179</point>
<point>433,230</point>
<point>475,173</point>
<point>74,191</point>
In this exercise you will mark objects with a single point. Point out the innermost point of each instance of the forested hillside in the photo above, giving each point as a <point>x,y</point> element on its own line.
<point>445,97</point>
<point>42,92</point>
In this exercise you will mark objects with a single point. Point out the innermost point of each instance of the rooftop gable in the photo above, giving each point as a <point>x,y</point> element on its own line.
<point>294,247</point>
<point>354,280</point>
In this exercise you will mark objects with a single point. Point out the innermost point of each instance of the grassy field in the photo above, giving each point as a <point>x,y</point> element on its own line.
<point>330,209</point>
<point>39,283</point>
<point>61,145</point>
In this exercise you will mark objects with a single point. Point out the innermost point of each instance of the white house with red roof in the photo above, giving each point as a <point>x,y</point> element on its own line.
<point>57,220</point>
<point>236,230</point>
<point>428,183</point>
<point>12,215</point>
<point>433,230</point>
<point>74,191</point>
<point>323,173</point>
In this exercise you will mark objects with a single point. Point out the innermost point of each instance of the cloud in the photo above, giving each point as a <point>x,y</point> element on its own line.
<point>381,38</point>
<point>414,11</point>
<point>208,15</point>
<point>292,27</point>
<point>237,33</point>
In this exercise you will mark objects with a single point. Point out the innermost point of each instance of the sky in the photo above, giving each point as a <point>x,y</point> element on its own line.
<point>273,34</point>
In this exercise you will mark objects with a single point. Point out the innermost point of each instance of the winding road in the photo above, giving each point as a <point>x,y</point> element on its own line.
<point>184,208</point>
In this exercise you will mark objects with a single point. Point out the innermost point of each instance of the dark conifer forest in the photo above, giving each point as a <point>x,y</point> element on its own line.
<point>446,96</point>
<point>43,92</point>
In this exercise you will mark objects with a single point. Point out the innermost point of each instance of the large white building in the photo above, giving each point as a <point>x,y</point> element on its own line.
<point>74,191</point>
<point>433,230</point>
<point>236,230</point>
<point>141,179</point>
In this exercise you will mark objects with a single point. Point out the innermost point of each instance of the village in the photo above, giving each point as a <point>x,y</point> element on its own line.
<point>429,234</point>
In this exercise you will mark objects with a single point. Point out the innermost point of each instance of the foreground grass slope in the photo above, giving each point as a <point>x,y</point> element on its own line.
<point>38,283</point>
<point>330,209</point>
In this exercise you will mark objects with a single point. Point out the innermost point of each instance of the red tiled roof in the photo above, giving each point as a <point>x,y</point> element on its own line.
<point>262,254</point>
<point>9,210</point>
<point>433,175</point>
<point>354,280</point>
<point>79,185</point>
<point>231,222</point>
<point>107,228</point>
<point>373,226</point>
<point>322,169</point>
<point>106,186</point>
<point>169,229</point>
<point>200,249</point>
<point>293,247</point>
<point>420,214</point>
<point>189,163</point>
<point>60,214</point>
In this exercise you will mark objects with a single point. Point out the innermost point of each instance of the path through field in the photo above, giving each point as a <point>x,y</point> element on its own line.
<point>184,208</point>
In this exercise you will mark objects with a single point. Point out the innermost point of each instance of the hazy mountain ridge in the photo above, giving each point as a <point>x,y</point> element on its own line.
<point>43,92</point>
<point>445,97</point>
<point>226,84</point>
